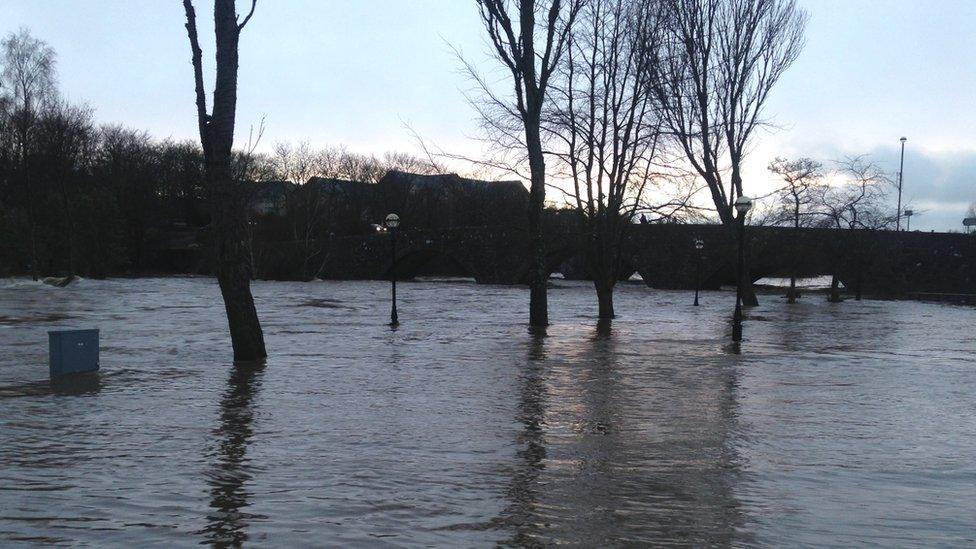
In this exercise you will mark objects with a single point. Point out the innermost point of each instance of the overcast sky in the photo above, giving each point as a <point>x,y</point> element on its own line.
<point>353,72</point>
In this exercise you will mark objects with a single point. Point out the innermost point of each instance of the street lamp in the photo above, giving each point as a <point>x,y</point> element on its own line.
<point>901,171</point>
<point>391,222</point>
<point>742,205</point>
<point>699,244</point>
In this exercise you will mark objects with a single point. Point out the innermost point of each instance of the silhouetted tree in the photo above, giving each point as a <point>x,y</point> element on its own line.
<point>28,75</point>
<point>804,180</point>
<point>605,127</point>
<point>856,203</point>
<point>723,57</point>
<point>228,215</point>
<point>128,166</point>
<point>512,27</point>
<point>66,142</point>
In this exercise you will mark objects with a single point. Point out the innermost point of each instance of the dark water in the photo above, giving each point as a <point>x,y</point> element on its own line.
<point>842,425</point>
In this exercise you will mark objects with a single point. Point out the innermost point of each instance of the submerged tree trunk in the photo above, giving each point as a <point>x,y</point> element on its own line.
<point>31,213</point>
<point>834,296</point>
<point>228,219</point>
<point>604,295</point>
<point>795,237</point>
<point>749,298</point>
<point>512,29</point>
<point>538,274</point>
<point>69,219</point>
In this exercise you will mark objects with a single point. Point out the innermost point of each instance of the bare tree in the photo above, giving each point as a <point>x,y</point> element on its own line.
<point>304,201</point>
<point>723,59</point>
<point>67,142</point>
<point>804,180</point>
<point>605,127</point>
<point>512,27</point>
<point>856,203</point>
<point>295,163</point>
<point>28,73</point>
<point>228,211</point>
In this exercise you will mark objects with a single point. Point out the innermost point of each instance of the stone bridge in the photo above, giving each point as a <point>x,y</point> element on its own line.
<point>879,262</point>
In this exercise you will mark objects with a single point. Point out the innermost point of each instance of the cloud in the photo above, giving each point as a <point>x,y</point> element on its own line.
<point>938,184</point>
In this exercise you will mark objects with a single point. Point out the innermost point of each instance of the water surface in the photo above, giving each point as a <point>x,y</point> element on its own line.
<point>838,424</point>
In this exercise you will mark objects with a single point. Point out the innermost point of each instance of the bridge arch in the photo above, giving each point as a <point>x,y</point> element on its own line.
<point>415,262</point>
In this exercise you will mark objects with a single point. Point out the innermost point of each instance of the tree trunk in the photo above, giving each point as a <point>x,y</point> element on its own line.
<point>749,298</point>
<point>858,265</point>
<point>228,219</point>
<point>834,296</point>
<point>33,246</point>
<point>233,269</point>
<point>66,201</point>
<point>604,294</point>
<point>795,237</point>
<point>31,214</point>
<point>538,274</point>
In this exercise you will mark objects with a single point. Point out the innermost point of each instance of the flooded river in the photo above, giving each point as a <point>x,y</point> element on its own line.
<point>838,424</point>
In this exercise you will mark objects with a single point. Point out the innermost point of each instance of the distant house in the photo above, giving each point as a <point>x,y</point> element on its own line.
<point>449,200</point>
<point>341,186</point>
<point>267,197</point>
<point>422,201</point>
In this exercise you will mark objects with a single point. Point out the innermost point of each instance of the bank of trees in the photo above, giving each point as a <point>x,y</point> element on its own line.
<point>603,100</point>
<point>89,199</point>
<point>604,128</point>
<point>529,39</point>
<point>855,198</point>
<point>799,199</point>
<point>77,197</point>
<point>630,91</point>
<point>721,62</point>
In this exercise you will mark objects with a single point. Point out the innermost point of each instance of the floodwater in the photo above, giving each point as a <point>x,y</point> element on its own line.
<point>838,424</point>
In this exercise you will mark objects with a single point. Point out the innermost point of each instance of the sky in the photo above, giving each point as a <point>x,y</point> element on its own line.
<point>359,72</point>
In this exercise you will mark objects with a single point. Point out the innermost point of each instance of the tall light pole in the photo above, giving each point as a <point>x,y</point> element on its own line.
<point>699,244</point>
<point>391,223</point>
<point>901,172</point>
<point>742,205</point>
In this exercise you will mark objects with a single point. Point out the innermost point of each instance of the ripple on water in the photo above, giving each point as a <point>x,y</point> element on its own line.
<point>831,425</point>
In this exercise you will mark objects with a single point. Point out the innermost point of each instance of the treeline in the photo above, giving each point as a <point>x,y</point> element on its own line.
<point>79,197</point>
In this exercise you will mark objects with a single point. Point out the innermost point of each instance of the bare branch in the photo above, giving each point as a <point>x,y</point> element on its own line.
<point>254,4</point>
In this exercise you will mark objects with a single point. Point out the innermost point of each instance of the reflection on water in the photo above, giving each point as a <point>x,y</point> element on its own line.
<point>229,498</point>
<point>831,424</point>
<point>606,460</point>
<point>522,515</point>
<point>88,383</point>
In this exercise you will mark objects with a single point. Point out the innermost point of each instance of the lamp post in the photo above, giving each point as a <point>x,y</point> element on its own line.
<point>699,244</point>
<point>901,171</point>
<point>742,205</point>
<point>391,223</point>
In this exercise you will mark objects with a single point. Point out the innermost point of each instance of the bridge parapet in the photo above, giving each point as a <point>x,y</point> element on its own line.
<point>881,262</point>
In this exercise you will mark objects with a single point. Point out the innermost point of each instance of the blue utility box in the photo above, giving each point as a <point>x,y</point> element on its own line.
<point>73,352</point>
